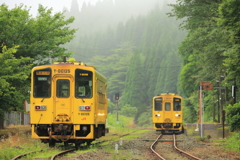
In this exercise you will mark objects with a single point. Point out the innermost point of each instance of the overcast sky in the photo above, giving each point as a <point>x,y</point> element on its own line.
<point>57,5</point>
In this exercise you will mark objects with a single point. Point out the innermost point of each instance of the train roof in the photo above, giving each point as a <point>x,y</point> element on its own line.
<point>167,94</point>
<point>73,64</point>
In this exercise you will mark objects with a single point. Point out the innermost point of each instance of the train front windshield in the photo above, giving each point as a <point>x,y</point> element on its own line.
<point>42,83</point>
<point>158,104</point>
<point>177,104</point>
<point>83,83</point>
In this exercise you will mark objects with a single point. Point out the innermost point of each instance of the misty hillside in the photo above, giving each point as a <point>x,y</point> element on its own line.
<point>91,18</point>
<point>154,37</point>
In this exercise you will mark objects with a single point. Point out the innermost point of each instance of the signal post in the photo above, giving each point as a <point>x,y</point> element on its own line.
<point>116,100</point>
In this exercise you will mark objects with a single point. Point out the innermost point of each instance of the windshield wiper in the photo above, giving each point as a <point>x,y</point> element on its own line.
<point>45,95</point>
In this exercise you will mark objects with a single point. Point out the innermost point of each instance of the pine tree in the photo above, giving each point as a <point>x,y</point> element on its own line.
<point>134,91</point>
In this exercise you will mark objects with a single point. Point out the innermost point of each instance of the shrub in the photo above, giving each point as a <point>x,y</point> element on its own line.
<point>128,111</point>
<point>233,116</point>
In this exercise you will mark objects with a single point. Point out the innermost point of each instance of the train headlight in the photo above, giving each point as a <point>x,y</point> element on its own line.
<point>157,115</point>
<point>40,108</point>
<point>85,108</point>
<point>177,115</point>
<point>84,128</point>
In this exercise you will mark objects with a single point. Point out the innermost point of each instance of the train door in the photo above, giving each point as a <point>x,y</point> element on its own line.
<point>62,98</point>
<point>168,111</point>
<point>167,114</point>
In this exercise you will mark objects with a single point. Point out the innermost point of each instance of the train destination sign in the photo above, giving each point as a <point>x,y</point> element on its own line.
<point>83,74</point>
<point>43,73</point>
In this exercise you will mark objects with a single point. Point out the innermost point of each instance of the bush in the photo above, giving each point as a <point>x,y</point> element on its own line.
<point>233,116</point>
<point>145,119</point>
<point>128,111</point>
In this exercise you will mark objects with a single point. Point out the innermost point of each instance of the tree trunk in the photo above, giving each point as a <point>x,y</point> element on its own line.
<point>1,123</point>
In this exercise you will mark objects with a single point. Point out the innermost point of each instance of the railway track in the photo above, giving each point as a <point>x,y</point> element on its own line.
<point>54,157</point>
<point>62,153</point>
<point>84,147</point>
<point>182,153</point>
<point>25,154</point>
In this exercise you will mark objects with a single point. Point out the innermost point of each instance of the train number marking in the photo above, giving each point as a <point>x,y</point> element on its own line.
<point>62,70</point>
<point>85,114</point>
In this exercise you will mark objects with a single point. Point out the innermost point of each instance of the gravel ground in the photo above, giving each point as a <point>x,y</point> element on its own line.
<point>137,148</point>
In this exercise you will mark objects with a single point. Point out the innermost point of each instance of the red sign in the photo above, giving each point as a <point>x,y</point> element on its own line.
<point>206,85</point>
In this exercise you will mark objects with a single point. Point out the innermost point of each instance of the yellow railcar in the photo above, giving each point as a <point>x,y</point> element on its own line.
<point>167,113</point>
<point>68,103</point>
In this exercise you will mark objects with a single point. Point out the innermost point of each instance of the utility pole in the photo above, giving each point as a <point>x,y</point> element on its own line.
<point>117,110</point>
<point>223,120</point>
<point>201,110</point>
<point>203,86</point>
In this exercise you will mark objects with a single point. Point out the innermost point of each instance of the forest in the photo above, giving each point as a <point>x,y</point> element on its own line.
<point>163,46</point>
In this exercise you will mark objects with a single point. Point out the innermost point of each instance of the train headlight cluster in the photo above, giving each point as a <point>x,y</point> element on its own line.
<point>177,115</point>
<point>85,108</point>
<point>157,115</point>
<point>40,108</point>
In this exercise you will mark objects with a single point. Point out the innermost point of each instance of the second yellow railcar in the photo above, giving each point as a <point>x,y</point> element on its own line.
<point>167,114</point>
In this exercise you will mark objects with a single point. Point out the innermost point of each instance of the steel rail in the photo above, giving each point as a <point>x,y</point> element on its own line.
<point>63,152</point>
<point>181,151</point>
<point>151,147</point>
<point>22,155</point>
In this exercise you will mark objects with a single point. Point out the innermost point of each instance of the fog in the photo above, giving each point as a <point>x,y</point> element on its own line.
<point>94,15</point>
<point>56,5</point>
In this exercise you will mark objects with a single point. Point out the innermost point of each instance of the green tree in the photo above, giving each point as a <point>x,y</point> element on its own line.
<point>114,67</point>
<point>135,92</point>
<point>229,22</point>
<point>203,49</point>
<point>233,116</point>
<point>172,69</point>
<point>37,40</point>
<point>40,38</point>
<point>15,87</point>
<point>190,108</point>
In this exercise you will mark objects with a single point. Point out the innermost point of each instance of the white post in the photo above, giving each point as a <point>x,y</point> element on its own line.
<point>202,110</point>
<point>116,148</point>
<point>120,142</point>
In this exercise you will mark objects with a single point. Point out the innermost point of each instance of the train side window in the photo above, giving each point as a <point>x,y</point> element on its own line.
<point>63,88</point>
<point>158,105</point>
<point>167,106</point>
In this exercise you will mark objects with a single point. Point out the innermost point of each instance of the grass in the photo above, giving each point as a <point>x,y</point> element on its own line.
<point>124,126</point>
<point>18,141</point>
<point>233,142</point>
<point>17,144</point>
